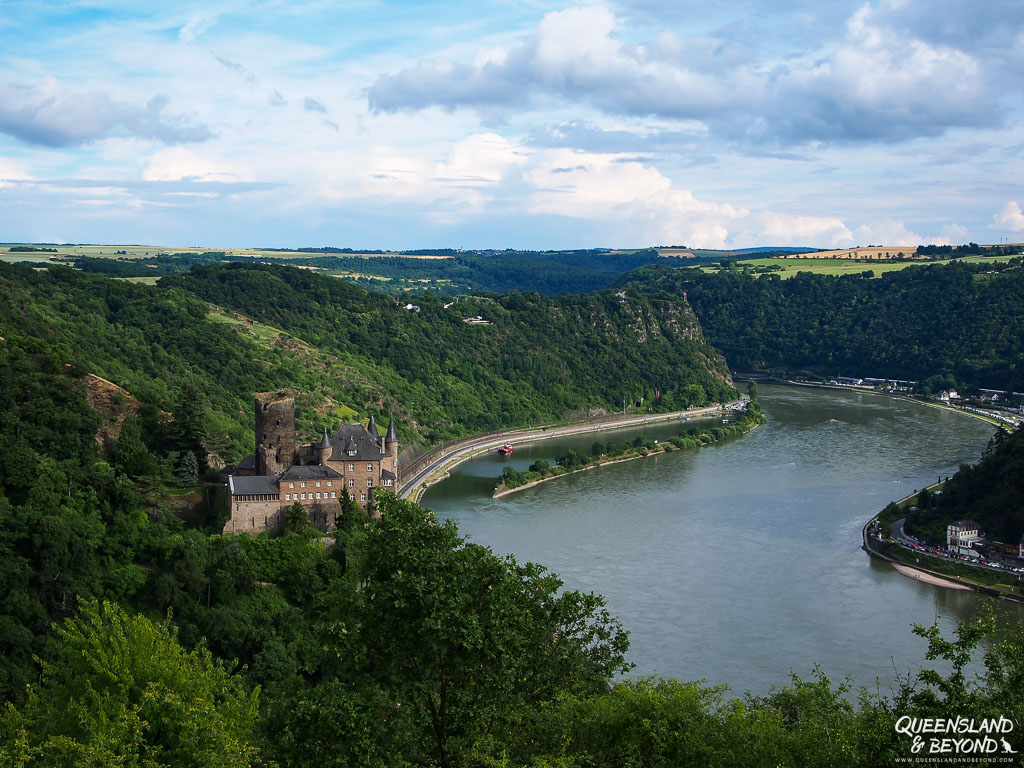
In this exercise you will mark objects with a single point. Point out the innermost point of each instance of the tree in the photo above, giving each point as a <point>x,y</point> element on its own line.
<point>131,455</point>
<point>463,642</point>
<point>693,395</point>
<point>296,520</point>
<point>122,691</point>
<point>187,470</point>
<point>190,421</point>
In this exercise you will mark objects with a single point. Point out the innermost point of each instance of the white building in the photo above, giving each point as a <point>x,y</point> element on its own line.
<point>961,537</point>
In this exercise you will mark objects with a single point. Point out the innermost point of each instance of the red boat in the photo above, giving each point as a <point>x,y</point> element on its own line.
<point>506,449</point>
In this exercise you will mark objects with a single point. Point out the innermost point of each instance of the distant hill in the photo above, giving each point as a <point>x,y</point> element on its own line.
<point>964,321</point>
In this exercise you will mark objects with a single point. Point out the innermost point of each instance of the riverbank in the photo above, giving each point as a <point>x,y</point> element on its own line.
<point>882,550</point>
<point>975,413</point>
<point>658,449</point>
<point>436,465</point>
<point>927,578</point>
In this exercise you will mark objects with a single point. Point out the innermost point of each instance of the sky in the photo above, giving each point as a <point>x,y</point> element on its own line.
<point>512,124</point>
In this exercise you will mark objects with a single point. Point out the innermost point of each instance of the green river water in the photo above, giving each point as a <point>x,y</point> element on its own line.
<point>741,562</point>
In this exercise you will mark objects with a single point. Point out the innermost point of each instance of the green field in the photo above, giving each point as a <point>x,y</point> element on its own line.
<point>791,267</point>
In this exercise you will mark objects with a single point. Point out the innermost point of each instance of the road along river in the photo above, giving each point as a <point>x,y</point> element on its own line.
<point>741,561</point>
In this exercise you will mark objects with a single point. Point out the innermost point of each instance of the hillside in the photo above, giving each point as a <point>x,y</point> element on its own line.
<point>958,320</point>
<point>990,492</point>
<point>224,332</point>
<point>528,358</point>
<point>131,637</point>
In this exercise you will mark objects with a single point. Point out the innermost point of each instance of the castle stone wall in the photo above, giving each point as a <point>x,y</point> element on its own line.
<point>275,432</point>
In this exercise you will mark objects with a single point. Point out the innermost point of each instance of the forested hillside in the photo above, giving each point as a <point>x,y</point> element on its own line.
<point>531,359</point>
<point>965,321</point>
<point>990,492</point>
<point>347,352</point>
<point>133,635</point>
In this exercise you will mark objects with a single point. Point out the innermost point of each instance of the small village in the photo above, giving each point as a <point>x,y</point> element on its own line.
<point>1002,406</point>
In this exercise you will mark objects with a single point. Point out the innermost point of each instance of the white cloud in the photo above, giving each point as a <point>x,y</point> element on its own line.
<point>1010,217</point>
<point>178,163</point>
<point>54,116</point>
<point>877,84</point>
<point>779,229</point>
<point>195,26</point>
<point>888,232</point>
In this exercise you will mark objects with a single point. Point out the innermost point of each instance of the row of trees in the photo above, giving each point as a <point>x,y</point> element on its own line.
<point>641,446</point>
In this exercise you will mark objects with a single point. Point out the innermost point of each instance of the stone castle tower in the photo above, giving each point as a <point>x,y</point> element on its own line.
<point>275,432</point>
<point>353,459</point>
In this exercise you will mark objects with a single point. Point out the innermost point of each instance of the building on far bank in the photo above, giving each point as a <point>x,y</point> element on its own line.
<point>355,458</point>
<point>962,536</point>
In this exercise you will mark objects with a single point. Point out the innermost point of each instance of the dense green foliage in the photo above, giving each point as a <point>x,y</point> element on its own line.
<point>536,359</point>
<point>965,321</point>
<point>164,264</point>
<point>461,272</point>
<point>990,492</point>
<point>539,359</point>
<point>401,644</point>
<point>122,691</point>
<point>396,642</point>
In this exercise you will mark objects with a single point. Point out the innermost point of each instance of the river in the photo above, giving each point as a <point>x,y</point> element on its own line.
<point>740,562</point>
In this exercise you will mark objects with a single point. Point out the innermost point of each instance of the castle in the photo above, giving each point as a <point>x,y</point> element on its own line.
<point>262,486</point>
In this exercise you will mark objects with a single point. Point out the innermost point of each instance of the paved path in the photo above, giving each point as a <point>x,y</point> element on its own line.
<point>438,466</point>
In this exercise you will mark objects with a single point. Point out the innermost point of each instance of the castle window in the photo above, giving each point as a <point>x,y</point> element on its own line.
<point>351,483</point>
<point>287,497</point>
<point>291,485</point>
<point>317,483</point>
<point>334,495</point>
<point>303,497</point>
<point>302,485</point>
<point>351,467</point>
<point>318,494</point>
<point>362,497</point>
<point>369,482</point>
<point>329,484</point>
<point>369,467</point>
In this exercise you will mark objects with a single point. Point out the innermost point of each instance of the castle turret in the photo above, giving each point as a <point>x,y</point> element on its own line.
<point>324,449</point>
<point>390,459</point>
<point>275,432</point>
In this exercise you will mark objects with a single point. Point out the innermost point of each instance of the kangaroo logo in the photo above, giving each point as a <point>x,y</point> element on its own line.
<point>1007,747</point>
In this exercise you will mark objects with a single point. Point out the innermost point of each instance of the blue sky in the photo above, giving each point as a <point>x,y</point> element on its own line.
<point>512,124</point>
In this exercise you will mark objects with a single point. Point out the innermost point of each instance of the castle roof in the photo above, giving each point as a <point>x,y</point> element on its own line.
<point>372,427</point>
<point>308,472</point>
<point>388,475</point>
<point>354,442</point>
<point>241,485</point>
<point>248,463</point>
<point>325,441</point>
<point>392,435</point>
